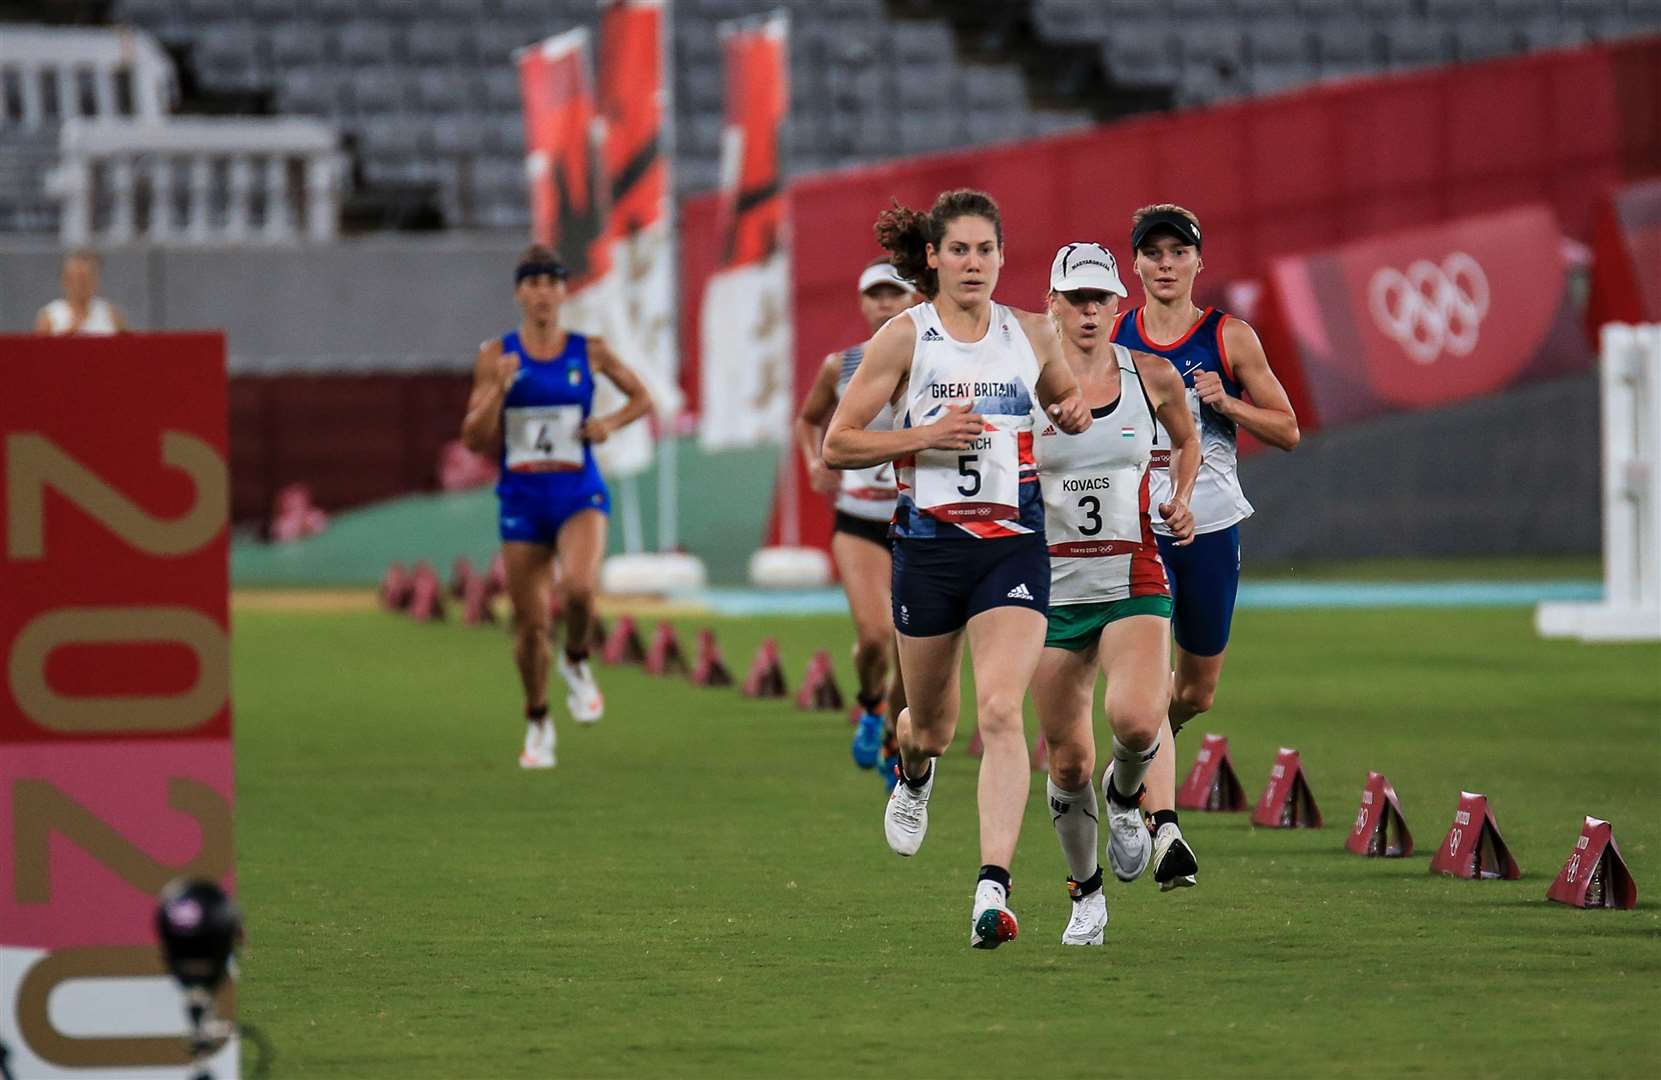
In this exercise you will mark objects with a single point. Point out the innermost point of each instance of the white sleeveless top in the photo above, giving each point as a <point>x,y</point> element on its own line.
<point>990,489</point>
<point>100,317</point>
<point>866,493</point>
<point>1096,500</point>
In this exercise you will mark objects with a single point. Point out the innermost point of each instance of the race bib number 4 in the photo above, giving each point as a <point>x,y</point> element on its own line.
<point>980,483</point>
<point>544,438</point>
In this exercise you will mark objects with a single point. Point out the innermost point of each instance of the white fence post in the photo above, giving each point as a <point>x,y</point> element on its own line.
<point>1630,388</point>
<point>295,159</point>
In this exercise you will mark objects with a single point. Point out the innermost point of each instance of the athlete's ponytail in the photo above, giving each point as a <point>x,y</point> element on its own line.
<point>906,234</point>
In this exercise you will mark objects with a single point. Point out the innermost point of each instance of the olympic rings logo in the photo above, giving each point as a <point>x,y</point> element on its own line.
<point>1431,309</point>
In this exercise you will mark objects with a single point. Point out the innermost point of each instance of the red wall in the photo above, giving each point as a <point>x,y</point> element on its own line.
<point>1267,177</point>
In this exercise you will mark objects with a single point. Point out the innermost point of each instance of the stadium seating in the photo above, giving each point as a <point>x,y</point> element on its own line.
<point>408,79</point>
<point>426,88</point>
<point>1193,47</point>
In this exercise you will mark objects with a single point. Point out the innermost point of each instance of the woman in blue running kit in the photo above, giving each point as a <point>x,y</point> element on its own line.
<point>532,406</point>
<point>1223,365</point>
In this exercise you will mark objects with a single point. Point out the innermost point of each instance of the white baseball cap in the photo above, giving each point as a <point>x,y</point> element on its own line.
<point>883,273</point>
<point>1086,266</point>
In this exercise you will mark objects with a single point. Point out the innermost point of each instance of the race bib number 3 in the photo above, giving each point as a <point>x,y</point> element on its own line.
<point>980,483</point>
<point>544,438</point>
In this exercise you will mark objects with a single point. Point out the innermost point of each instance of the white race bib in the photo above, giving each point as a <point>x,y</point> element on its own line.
<point>875,484</point>
<point>544,438</point>
<point>981,483</point>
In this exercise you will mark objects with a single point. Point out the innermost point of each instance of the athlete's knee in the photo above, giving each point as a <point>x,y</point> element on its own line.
<point>873,647</point>
<point>577,594</point>
<point>1072,764</point>
<point>1193,698</point>
<point>1000,714</point>
<point>1136,724</point>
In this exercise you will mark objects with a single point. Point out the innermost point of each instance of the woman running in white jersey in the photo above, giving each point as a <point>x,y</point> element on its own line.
<point>967,377</point>
<point>864,506</point>
<point>1222,363</point>
<point>1110,607</point>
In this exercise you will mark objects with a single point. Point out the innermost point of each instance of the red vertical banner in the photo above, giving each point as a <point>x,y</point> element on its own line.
<point>562,154</point>
<point>745,338</point>
<point>115,720</point>
<point>635,305</point>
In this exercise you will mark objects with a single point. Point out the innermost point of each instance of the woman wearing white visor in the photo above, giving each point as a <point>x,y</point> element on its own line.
<point>1110,604</point>
<point>864,506</point>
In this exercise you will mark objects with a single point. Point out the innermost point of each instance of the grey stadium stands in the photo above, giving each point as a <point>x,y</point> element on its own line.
<point>426,94</point>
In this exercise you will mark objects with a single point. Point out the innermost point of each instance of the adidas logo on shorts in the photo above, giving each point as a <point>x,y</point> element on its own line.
<point>1049,429</point>
<point>931,334</point>
<point>1019,592</point>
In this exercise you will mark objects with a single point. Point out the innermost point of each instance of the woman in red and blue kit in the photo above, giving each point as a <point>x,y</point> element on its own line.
<point>1230,386</point>
<point>532,405</point>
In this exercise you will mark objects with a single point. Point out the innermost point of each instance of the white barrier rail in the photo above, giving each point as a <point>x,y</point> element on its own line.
<point>51,74</point>
<point>198,180</point>
<point>1630,387</point>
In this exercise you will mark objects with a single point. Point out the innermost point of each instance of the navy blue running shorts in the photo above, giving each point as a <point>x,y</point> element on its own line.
<point>1204,577</point>
<point>939,585</point>
<point>537,519</point>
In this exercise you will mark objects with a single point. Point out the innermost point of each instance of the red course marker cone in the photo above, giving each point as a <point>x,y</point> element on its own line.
<point>426,601</point>
<point>819,689</point>
<point>1380,830</point>
<point>1473,848</point>
<point>665,656</point>
<point>461,572</point>
<point>475,601</point>
<point>623,645</point>
<point>976,747</point>
<point>1287,802</point>
<point>1212,783</point>
<point>710,669</point>
<point>766,675</point>
<point>1595,875</point>
<point>597,636</point>
<point>396,587</point>
<point>497,575</point>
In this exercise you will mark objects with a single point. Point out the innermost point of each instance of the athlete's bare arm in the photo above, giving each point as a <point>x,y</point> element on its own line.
<point>1268,415</point>
<point>881,378</point>
<point>1170,404</point>
<point>810,424</point>
<point>1058,389</point>
<point>602,361</point>
<point>481,429</point>
<point>43,322</point>
<point>119,318</point>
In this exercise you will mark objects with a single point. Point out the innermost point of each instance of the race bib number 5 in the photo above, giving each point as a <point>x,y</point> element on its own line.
<point>544,438</point>
<point>979,483</point>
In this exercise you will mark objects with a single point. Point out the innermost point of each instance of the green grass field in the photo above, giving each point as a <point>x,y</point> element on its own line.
<point>701,887</point>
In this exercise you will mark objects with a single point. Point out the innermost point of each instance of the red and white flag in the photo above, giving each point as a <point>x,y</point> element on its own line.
<point>745,342</point>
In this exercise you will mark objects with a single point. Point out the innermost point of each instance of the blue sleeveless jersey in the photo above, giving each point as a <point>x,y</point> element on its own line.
<point>565,379</point>
<point>1218,501</point>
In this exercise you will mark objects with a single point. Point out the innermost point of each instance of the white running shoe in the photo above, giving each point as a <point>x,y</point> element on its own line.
<point>1174,865</point>
<point>539,746</point>
<point>905,821</point>
<point>585,701</point>
<point>1128,845</point>
<point>992,923</point>
<point>1088,926</point>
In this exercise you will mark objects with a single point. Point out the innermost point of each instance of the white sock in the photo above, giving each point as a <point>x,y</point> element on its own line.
<point>1130,766</point>
<point>1074,815</point>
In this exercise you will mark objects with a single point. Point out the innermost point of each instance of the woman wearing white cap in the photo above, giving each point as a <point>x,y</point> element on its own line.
<point>864,507</point>
<point>1110,606</point>
<point>970,380</point>
<point>1230,386</point>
